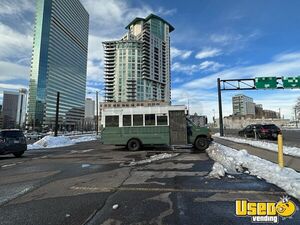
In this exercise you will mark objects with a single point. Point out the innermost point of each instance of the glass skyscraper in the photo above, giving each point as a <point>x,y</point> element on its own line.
<point>59,63</point>
<point>137,67</point>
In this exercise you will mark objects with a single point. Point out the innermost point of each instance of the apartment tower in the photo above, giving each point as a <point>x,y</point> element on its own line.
<point>137,67</point>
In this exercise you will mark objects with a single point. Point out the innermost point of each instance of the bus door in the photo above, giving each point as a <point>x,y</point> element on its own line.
<point>178,130</point>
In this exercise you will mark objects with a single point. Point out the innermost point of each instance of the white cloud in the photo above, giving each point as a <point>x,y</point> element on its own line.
<point>12,71</point>
<point>183,54</point>
<point>283,64</point>
<point>206,66</point>
<point>210,66</point>
<point>208,53</point>
<point>14,44</point>
<point>5,86</point>
<point>95,71</point>
<point>15,7</point>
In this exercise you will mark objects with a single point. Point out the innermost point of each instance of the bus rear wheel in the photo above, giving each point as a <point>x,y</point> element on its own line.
<point>133,145</point>
<point>201,143</point>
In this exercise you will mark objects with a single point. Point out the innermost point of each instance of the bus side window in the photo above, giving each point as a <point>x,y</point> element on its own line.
<point>112,121</point>
<point>162,120</point>
<point>126,120</point>
<point>150,119</point>
<point>138,120</point>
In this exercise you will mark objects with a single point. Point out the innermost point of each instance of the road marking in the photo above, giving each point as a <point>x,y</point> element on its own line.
<point>73,151</point>
<point>8,165</point>
<point>97,189</point>
<point>88,150</point>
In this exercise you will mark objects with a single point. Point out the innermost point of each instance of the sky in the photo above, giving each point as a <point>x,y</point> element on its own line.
<point>227,39</point>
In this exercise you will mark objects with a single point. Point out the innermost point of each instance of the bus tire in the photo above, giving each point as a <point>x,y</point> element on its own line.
<point>201,143</point>
<point>133,144</point>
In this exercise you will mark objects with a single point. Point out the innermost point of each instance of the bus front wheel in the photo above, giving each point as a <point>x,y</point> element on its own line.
<point>133,145</point>
<point>201,143</point>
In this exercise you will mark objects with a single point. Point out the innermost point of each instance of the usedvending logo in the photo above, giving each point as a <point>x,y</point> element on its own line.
<point>262,212</point>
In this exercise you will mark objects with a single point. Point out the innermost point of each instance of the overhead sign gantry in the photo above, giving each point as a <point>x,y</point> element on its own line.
<point>258,83</point>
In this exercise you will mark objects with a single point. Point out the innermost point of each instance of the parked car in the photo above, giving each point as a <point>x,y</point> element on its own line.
<point>34,135</point>
<point>263,131</point>
<point>12,142</point>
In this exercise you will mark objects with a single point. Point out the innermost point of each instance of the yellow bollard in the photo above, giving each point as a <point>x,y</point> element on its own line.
<point>280,151</point>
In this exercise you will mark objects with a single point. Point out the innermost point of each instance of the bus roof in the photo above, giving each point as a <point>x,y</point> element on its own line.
<point>142,109</point>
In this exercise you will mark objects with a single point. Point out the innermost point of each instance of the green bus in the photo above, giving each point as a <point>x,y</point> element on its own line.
<point>154,125</point>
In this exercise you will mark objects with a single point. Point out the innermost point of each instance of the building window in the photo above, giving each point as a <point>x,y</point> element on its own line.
<point>150,119</point>
<point>112,121</point>
<point>137,120</point>
<point>126,120</point>
<point>162,120</point>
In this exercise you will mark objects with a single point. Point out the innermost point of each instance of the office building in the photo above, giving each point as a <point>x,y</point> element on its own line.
<point>137,67</point>
<point>14,109</point>
<point>59,63</point>
<point>10,109</point>
<point>243,105</point>
<point>89,109</point>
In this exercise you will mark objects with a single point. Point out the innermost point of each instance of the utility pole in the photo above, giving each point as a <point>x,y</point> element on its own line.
<point>296,119</point>
<point>97,113</point>
<point>56,116</point>
<point>220,108</point>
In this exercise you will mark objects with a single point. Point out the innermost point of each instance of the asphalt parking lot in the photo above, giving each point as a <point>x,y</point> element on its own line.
<point>91,183</point>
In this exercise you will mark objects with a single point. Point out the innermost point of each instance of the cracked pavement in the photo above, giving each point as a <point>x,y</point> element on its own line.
<point>80,184</point>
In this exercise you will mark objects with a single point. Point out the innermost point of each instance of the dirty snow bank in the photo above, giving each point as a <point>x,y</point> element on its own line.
<point>60,141</point>
<point>236,161</point>
<point>294,151</point>
<point>153,158</point>
<point>218,171</point>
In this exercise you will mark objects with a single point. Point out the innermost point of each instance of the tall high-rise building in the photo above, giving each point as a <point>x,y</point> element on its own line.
<point>243,105</point>
<point>59,63</point>
<point>137,67</point>
<point>10,109</point>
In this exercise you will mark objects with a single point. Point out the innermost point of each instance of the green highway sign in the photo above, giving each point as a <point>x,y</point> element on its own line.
<point>265,82</point>
<point>291,82</point>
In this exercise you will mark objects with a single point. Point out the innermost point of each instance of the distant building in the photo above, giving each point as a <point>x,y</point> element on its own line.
<point>259,112</point>
<point>198,120</point>
<point>59,64</point>
<point>89,112</point>
<point>270,114</point>
<point>137,67</point>
<point>10,109</point>
<point>243,105</point>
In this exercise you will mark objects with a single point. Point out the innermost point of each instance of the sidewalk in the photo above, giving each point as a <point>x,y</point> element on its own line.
<point>289,161</point>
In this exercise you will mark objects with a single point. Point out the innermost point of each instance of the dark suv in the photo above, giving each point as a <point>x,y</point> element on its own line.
<point>12,142</point>
<point>268,131</point>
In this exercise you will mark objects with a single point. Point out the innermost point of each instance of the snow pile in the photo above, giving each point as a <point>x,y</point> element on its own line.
<point>294,151</point>
<point>237,161</point>
<point>218,171</point>
<point>84,138</point>
<point>60,141</point>
<point>153,158</point>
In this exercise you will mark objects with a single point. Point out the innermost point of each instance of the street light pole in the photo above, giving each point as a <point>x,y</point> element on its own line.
<point>220,108</point>
<point>97,113</point>
<point>57,112</point>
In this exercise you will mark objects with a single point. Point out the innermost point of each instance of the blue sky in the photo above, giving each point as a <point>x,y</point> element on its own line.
<point>226,39</point>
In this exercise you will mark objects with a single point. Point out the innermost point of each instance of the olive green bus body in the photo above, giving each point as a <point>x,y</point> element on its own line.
<point>154,135</point>
<point>177,130</point>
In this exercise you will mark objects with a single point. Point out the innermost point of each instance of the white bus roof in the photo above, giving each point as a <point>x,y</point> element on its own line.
<point>142,110</point>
